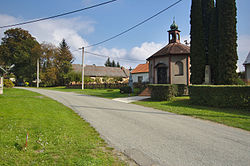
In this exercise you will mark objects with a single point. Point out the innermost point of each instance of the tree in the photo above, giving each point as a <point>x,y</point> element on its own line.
<point>48,70</point>
<point>63,63</point>
<point>227,47</point>
<point>197,49</point>
<point>108,63</point>
<point>20,49</point>
<point>118,64</point>
<point>113,64</point>
<point>213,46</point>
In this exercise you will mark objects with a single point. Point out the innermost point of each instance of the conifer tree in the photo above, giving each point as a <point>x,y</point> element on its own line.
<point>108,63</point>
<point>197,51</point>
<point>207,6</point>
<point>227,48</point>
<point>213,45</point>
<point>113,64</point>
<point>118,64</point>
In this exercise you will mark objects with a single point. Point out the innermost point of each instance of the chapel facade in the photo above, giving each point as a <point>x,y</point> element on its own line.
<point>171,64</point>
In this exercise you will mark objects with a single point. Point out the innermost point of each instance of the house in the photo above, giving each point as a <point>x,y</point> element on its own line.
<point>171,64</point>
<point>247,68</point>
<point>94,71</point>
<point>140,73</point>
<point>2,71</point>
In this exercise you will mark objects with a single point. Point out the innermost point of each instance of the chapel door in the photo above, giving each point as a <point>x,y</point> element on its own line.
<point>162,75</point>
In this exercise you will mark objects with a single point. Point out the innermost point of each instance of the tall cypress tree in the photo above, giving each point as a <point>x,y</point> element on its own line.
<point>227,48</point>
<point>213,45</point>
<point>197,50</point>
<point>207,6</point>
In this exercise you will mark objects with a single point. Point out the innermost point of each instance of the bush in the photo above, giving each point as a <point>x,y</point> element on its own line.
<point>8,83</point>
<point>126,89</point>
<point>182,89</point>
<point>234,96</point>
<point>161,92</point>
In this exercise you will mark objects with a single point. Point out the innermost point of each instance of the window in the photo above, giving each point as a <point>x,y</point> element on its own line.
<point>140,78</point>
<point>179,68</point>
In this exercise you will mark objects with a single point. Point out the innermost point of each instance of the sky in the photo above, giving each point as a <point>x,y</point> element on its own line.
<point>97,24</point>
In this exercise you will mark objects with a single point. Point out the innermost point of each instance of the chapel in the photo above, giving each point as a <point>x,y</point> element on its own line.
<point>171,64</point>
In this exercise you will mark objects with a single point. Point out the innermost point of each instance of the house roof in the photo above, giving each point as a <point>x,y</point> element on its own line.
<point>102,71</point>
<point>141,68</point>
<point>172,49</point>
<point>247,61</point>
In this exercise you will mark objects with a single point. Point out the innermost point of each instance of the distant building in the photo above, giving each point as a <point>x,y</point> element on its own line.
<point>247,68</point>
<point>171,64</point>
<point>94,72</point>
<point>140,73</point>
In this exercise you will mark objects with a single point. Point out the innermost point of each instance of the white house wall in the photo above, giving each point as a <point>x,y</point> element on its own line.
<point>145,77</point>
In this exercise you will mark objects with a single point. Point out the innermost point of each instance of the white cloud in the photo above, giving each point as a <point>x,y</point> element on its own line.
<point>145,50</point>
<point>53,31</point>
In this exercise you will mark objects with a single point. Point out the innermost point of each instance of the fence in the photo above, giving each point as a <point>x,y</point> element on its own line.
<point>97,86</point>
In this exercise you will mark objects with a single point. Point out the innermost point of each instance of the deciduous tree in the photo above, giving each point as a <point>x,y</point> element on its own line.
<point>20,49</point>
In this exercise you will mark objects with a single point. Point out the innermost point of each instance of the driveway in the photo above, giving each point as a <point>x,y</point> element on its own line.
<point>152,137</point>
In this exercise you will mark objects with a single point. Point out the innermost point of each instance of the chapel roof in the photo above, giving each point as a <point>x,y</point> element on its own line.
<point>172,49</point>
<point>247,61</point>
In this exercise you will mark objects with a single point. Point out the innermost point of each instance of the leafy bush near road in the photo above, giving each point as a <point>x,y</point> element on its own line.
<point>126,89</point>
<point>232,96</point>
<point>8,83</point>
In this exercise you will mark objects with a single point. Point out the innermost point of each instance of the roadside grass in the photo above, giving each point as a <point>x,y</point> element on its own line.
<point>57,135</point>
<point>106,93</point>
<point>180,105</point>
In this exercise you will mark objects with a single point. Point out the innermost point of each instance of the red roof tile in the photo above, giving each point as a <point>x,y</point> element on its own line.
<point>141,68</point>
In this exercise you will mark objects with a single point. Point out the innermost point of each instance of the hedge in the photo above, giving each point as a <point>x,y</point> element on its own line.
<point>233,96</point>
<point>161,92</point>
<point>126,89</point>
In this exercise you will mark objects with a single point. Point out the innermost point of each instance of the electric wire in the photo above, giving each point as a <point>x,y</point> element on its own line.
<point>116,58</point>
<point>59,15</point>
<point>133,27</point>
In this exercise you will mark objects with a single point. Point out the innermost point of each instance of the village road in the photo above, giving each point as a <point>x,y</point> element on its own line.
<point>152,137</point>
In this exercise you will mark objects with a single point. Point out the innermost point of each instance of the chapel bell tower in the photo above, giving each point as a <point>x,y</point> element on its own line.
<point>174,33</point>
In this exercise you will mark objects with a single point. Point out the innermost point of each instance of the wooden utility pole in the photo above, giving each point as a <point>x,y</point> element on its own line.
<point>37,73</point>
<point>82,68</point>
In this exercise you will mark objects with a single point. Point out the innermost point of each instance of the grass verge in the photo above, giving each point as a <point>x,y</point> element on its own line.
<point>57,135</point>
<point>181,105</point>
<point>106,93</point>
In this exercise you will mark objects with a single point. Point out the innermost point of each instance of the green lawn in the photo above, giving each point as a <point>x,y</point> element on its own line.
<point>180,105</point>
<point>57,135</point>
<point>106,93</point>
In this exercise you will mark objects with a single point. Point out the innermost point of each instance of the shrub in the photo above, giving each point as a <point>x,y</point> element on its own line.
<point>161,92</point>
<point>182,89</point>
<point>234,96</point>
<point>126,89</point>
<point>8,83</point>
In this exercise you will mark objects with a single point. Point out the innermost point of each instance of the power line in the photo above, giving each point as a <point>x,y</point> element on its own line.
<point>59,15</point>
<point>121,59</point>
<point>142,22</point>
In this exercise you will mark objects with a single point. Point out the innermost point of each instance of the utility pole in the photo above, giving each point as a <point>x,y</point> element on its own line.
<point>82,68</point>
<point>37,73</point>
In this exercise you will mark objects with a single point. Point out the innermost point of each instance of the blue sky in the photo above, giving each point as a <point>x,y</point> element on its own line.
<point>94,25</point>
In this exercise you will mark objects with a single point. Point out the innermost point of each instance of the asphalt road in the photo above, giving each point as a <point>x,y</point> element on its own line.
<point>152,137</point>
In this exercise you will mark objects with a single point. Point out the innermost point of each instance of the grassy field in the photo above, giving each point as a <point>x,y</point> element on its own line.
<point>180,105</point>
<point>57,135</point>
<point>106,93</point>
